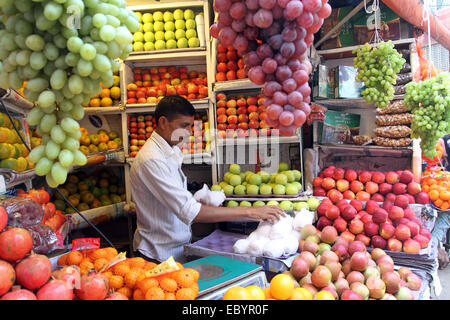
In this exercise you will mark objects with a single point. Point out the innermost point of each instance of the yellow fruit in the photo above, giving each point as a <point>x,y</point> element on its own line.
<point>93,148</point>
<point>94,139</point>
<point>281,287</point>
<point>115,93</point>
<point>323,295</point>
<point>102,147</point>
<point>94,103</point>
<point>85,140</point>
<point>236,293</point>
<point>116,81</point>
<point>106,102</point>
<point>22,164</point>
<point>119,142</point>
<point>255,293</point>
<point>9,163</point>
<point>35,142</point>
<point>301,294</point>
<point>5,151</point>
<point>84,149</point>
<point>3,134</point>
<point>12,137</point>
<point>105,93</point>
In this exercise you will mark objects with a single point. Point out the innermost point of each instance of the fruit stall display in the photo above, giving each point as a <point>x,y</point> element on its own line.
<point>86,192</point>
<point>241,116</point>
<point>149,85</point>
<point>168,29</point>
<point>436,183</point>
<point>101,141</point>
<point>199,141</point>
<point>311,204</point>
<point>284,182</point>
<point>109,96</point>
<point>13,153</point>
<point>230,64</point>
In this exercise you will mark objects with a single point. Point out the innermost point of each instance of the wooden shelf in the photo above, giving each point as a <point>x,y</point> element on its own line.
<point>350,103</point>
<point>104,110</point>
<point>241,84</point>
<point>369,150</point>
<point>167,55</point>
<point>257,140</point>
<point>199,104</point>
<point>135,5</point>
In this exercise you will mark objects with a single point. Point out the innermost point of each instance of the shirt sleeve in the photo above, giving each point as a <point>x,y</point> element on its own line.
<point>161,181</point>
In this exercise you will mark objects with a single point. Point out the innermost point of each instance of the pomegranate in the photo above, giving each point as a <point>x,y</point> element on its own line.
<point>3,218</point>
<point>117,296</point>
<point>55,290</point>
<point>15,243</point>
<point>7,277</point>
<point>93,286</point>
<point>70,274</point>
<point>20,294</point>
<point>34,271</point>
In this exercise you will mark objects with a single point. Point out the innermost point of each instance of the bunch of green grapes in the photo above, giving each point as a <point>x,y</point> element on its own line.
<point>64,50</point>
<point>429,101</point>
<point>377,69</point>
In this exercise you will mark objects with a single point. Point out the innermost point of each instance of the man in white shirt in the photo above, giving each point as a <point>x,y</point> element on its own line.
<point>165,209</point>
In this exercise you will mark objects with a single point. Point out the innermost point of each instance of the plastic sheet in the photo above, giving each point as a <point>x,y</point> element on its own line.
<point>22,213</point>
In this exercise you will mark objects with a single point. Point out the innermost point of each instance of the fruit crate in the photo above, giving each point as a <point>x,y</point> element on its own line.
<point>188,15</point>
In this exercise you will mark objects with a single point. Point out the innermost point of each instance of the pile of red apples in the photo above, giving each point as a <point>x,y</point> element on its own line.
<point>391,225</point>
<point>140,129</point>
<point>230,64</point>
<point>339,183</point>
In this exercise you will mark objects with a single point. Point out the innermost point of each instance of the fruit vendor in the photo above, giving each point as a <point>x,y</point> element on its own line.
<point>165,209</point>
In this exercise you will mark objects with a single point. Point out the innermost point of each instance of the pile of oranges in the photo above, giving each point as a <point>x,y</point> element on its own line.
<point>281,287</point>
<point>108,97</point>
<point>436,183</point>
<point>129,278</point>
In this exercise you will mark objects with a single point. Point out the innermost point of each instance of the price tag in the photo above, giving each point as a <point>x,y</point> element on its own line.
<point>86,243</point>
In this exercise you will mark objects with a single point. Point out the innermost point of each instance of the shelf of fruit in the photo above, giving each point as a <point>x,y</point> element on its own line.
<point>232,85</point>
<point>229,64</point>
<point>100,142</point>
<point>104,110</point>
<point>350,103</point>
<point>366,149</point>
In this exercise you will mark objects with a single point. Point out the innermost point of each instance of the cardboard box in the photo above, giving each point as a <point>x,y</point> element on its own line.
<point>338,127</point>
<point>345,85</point>
<point>343,37</point>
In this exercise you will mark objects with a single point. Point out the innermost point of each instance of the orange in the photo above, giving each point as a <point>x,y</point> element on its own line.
<point>112,145</point>
<point>184,278</point>
<point>170,296</point>
<point>236,293</point>
<point>74,258</point>
<point>121,269</point>
<point>131,277</point>
<point>138,294</point>
<point>137,262</point>
<point>149,265</point>
<point>445,205</point>
<point>115,93</point>
<point>444,195</point>
<point>147,283</point>
<point>97,254</point>
<point>301,294</point>
<point>195,287</point>
<point>94,103</point>
<point>84,132</point>
<point>105,93</point>
<point>62,260</point>
<point>255,293</point>
<point>106,102</point>
<point>324,295</point>
<point>108,274</point>
<point>100,263</point>
<point>115,282</point>
<point>168,284</point>
<point>185,294</point>
<point>434,195</point>
<point>281,287</point>
<point>126,292</point>
<point>111,252</point>
<point>155,293</point>
<point>438,203</point>
<point>267,293</point>
<point>194,273</point>
<point>425,188</point>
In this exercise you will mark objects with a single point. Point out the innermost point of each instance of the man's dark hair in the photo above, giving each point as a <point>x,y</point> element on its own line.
<point>173,106</point>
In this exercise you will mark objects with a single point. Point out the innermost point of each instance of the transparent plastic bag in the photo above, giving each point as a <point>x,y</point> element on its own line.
<point>45,240</point>
<point>396,106</point>
<point>393,131</point>
<point>394,119</point>
<point>387,142</point>
<point>22,212</point>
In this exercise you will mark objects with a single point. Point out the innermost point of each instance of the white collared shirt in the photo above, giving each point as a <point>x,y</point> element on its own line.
<point>165,208</point>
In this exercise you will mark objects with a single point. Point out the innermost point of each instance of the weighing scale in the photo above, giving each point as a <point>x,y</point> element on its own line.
<point>219,273</point>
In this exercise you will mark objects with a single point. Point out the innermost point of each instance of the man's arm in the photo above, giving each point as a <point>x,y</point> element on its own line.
<point>210,214</point>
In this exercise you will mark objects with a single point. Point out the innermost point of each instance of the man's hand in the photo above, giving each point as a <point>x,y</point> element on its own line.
<point>271,213</point>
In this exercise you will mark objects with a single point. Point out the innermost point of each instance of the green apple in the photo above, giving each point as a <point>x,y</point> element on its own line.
<point>168,16</point>
<point>299,205</point>
<point>191,33</point>
<point>147,17</point>
<point>252,189</point>
<point>138,37</point>
<point>255,179</point>
<point>160,44</point>
<point>182,43</point>
<point>169,26</point>
<point>240,190</point>
<point>297,184</point>
<point>272,177</point>
<point>149,46</point>
<point>324,247</point>
<point>139,15</point>
<point>158,16</point>
<point>290,175</point>
<point>313,203</point>
<point>232,203</point>
<point>159,35</point>
<point>259,203</point>
<point>190,24</point>
<point>265,176</point>
<point>273,203</point>
<point>227,176</point>
<point>149,37</point>
<point>242,176</point>
<point>297,175</point>
<point>180,34</point>
<point>180,24</point>
<point>283,166</point>
<point>148,27</point>
<point>216,187</point>
<point>223,184</point>
<point>235,180</point>
<point>188,14</point>
<point>291,189</point>
<point>281,178</point>
<point>169,35</point>
<point>235,168</point>
<point>228,189</point>
<point>286,205</point>
<point>265,189</point>
<point>158,26</point>
<point>279,189</point>
<point>138,46</point>
<point>248,173</point>
<point>178,14</point>
<point>194,42</point>
<point>245,204</point>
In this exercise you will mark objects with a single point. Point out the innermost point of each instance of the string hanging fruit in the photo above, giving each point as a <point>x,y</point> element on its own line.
<point>377,68</point>
<point>429,101</point>
<point>273,37</point>
<point>63,50</point>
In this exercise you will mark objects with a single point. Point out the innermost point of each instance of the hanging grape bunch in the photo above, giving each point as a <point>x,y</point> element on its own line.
<point>377,69</point>
<point>429,101</point>
<point>273,37</point>
<point>64,49</point>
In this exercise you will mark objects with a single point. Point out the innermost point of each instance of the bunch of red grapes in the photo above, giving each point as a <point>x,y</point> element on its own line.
<point>273,37</point>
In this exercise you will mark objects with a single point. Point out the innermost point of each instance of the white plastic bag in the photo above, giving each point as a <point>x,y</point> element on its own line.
<point>241,246</point>
<point>274,248</point>
<point>208,197</point>
<point>263,229</point>
<point>281,228</point>
<point>302,218</point>
<point>256,246</point>
<point>290,244</point>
